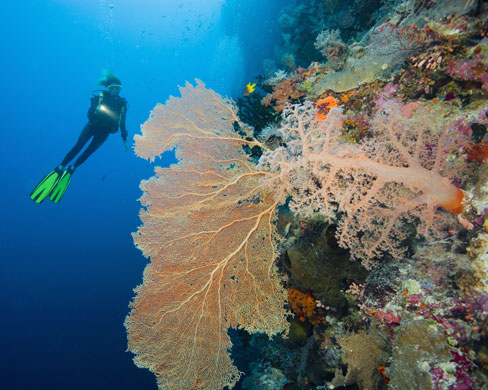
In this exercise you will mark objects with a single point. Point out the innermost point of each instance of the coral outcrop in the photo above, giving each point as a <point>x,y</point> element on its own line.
<point>372,145</point>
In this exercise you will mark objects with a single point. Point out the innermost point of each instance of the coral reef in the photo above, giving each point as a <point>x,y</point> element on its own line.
<point>253,113</point>
<point>425,307</point>
<point>383,49</point>
<point>302,21</point>
<point>372,145</point>
<point>419,350</point>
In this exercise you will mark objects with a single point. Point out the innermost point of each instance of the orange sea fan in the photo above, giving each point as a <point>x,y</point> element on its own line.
<point>207,229</point>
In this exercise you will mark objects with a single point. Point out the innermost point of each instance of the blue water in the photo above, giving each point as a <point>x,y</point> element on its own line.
<point>68,269</point>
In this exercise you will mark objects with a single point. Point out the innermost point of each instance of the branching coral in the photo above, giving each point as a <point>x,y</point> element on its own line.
<point>402,174</point>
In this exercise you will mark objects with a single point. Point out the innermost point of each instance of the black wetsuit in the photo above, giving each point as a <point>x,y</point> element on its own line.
<point>100,124</point>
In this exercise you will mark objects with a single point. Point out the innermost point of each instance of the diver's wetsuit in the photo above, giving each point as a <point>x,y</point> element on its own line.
<point>100,124</point>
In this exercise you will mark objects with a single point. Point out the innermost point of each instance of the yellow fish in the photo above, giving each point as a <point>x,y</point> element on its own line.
<point>248,89</point>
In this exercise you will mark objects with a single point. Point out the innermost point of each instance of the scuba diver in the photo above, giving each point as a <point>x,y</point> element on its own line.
<point>106,113</point>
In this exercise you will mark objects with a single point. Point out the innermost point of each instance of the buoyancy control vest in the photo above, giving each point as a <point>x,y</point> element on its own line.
<point>110,110</point>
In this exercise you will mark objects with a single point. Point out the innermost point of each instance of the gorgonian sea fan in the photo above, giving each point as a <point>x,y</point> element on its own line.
<point>207,229</point>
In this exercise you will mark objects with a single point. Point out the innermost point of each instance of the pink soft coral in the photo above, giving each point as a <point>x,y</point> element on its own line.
<point>474,69</point>
<point>400,175</point>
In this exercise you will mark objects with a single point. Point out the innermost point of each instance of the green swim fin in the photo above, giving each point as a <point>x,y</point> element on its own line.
<point>46,185</point>
<point>62,185</point>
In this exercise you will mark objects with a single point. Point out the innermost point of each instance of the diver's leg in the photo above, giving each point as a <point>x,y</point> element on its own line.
<point>85,135</point>
<point>98,139</point>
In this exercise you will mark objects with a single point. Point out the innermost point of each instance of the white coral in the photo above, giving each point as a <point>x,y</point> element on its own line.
<point>278,77</point>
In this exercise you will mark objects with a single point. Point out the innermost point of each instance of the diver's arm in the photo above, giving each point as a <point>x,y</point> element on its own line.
<point>123,130</point>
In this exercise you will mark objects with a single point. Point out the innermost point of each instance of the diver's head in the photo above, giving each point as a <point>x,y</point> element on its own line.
<point>114,89</point>
<point>112,83</point>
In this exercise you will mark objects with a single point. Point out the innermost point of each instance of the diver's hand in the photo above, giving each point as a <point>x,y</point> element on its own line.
<point>126,148</point>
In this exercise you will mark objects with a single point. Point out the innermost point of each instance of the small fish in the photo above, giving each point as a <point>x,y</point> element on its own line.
<point>287,229</point>
<point>248,89</point>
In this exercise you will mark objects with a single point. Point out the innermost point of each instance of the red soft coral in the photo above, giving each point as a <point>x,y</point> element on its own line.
<point>288,89</point>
